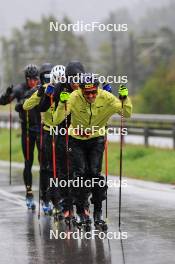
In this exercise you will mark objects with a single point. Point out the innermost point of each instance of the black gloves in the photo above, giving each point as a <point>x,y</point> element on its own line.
<point>19,107</point>
<point>9,90</point>
<point>40,90</point>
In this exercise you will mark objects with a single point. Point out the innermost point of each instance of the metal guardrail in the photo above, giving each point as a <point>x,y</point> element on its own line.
<point>146,125</point>
<point>4,120</point>
<point>149,118</point>
<point>149,125</point>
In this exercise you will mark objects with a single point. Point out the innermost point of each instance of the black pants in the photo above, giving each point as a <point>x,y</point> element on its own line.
<point>47,192</point>
<point>44,181</point>
<point>86,158</point>
<point>64,172</point>
<point>28,153</point>
<point>55,192</point>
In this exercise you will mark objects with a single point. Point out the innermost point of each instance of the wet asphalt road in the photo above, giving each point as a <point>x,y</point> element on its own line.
<point>148,217</point>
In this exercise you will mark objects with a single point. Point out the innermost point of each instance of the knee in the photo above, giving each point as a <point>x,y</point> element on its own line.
<point>79,172</point>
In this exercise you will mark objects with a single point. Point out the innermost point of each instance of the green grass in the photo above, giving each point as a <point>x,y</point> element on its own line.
<point>17,155</point>
<point>6,108</point>
<point>152,164</point>
<point>139,162</point>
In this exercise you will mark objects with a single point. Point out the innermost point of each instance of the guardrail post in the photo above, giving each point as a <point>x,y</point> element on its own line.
<point>146,135</point>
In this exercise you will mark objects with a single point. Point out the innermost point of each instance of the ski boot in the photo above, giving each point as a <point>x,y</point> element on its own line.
<point>99,223</point>
<point>29,199</point>
<point>84,220</point>
<point>47,208</point>
<point>57,213</point>
<point>69,216</point>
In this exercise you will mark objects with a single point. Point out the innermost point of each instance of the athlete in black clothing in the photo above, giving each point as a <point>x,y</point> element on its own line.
<point>30,124</point>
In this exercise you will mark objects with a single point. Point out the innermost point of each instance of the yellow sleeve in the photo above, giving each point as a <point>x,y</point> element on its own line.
<point>32,101</point>
<point>116,106</point>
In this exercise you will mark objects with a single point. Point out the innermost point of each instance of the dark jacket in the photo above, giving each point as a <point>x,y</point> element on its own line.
<point>46,103</point>
<point>20,92</point>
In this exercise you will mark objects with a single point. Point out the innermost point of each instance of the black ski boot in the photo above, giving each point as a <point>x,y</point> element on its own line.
<point>84,220</point>
<point>47,208</point>
<point>99,223</point>
<point>69,217</point>
<point>57,213</point>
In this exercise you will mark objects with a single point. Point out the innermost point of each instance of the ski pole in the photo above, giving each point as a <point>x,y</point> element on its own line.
<point>108,88</point>
<point>67,159</point>
<point>10,146</point>
<point>67,139</point>
<point>121,164</point>
<point>40,159</point>
<point>53,139</point>
<point>106,174</point>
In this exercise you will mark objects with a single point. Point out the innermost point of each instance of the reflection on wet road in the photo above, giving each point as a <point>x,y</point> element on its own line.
<point>147,216</point>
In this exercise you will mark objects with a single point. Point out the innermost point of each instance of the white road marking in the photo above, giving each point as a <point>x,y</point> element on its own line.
<point>13,198</point>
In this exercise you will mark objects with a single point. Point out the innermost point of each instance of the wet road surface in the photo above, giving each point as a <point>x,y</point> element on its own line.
<point>148,217</point>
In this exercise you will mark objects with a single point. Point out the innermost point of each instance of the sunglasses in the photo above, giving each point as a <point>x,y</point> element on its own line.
<point>33,78</point>
<point>90,92</point>
<point>47,80</point>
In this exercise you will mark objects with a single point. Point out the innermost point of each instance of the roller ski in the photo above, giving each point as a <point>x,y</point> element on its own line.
<point>30,200</point>
<point>99,223</point>
<point>69,217</point>
<point>57,213</point>
<point>47,208</point>
<point>83,221</point>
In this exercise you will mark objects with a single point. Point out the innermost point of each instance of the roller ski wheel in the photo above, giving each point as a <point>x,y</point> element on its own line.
<point>57,214</point>
<point>99,223</point>
<point>74,221</point>
<point>84,221</point>
<point>85,225</point>
<point>47,208</point>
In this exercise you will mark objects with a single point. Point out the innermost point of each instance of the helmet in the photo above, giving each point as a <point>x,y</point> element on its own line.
<point>45,70</point>
<point>73,68</point>
<point>31,71</point>
<point>88,81</point>
<point>46,67</point>
<point>57,72</point>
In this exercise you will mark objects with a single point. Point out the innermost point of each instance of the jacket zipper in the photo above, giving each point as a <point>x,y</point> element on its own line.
<point>90,115</point>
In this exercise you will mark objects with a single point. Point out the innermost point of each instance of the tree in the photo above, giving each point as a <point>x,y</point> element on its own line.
<point>158,94</point>
<point>34,43</point>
